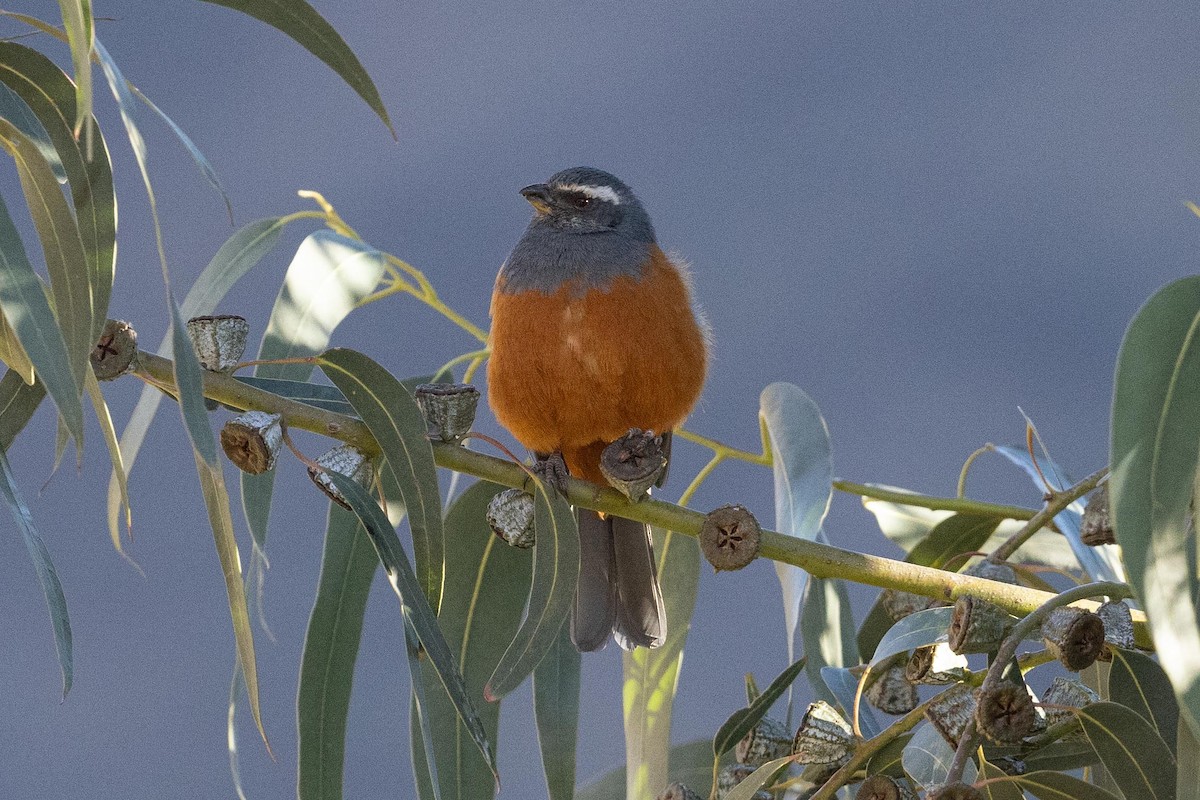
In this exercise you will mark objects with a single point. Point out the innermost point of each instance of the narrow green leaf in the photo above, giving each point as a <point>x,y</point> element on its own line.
<point>1136,681</point>
<point>843,687</point>
<point>216,501</point>
<point>330,649</point>
<point>748,788</point>
<point>16,111</point>
<point>556,709</point>
<point>24,304</point>
<point>691,764</point>
<point>327,279</point>
<point>415,607</point>
<point>1136,757</point>
<point>47,577</point>
<point>1060,756</point>
<point>77,20</point>
<point>651,676</point>
<point>235,258</point>
<point>888,760</point>
<point>877,623</point>
<point>18,401</point>
<point>114,453</point>
<point>486,585</point>
<point>13,354</point>
<point>740,722</point>
<point>803,469</point>
<point>927,758</point>
<point>915,630</point>
<point>1155,449</point>
<point>320,395</point>
<point>961,533</point>
<point>50,95</point>
<point>206,168</point>
<point>425,769</point>
<point>301,21</point>
<point>190,383</point>
<point>1186,785</point>
<point>827,630</point>
<point>63,251</point>
<point>555,575</point>
<point>409,473</point>
<point>997,789</point>
<point>1057,786</point>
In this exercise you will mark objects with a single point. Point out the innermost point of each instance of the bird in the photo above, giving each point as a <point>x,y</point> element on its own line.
<point>595,332</point>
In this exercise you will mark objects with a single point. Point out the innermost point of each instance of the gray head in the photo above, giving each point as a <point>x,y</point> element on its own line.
<point>587,200</point>
<point>588,228</point>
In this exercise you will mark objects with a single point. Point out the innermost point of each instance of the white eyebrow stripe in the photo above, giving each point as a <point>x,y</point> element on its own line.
<point>605,193</point>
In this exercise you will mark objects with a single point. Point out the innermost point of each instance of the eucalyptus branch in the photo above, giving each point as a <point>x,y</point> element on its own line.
<point>1008,648</point>
<point>819,560</point>
<point>1054,504</point>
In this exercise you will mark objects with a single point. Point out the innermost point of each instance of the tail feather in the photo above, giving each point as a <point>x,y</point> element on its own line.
<point>641,619</point>
<point>595,610</point>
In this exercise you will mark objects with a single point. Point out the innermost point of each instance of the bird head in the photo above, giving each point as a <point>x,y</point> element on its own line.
<point>586,200</point>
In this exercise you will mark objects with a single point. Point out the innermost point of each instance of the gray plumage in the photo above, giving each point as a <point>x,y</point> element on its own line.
<point>594,244</point>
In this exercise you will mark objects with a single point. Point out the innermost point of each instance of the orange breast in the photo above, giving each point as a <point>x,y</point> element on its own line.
<point>573,372</point>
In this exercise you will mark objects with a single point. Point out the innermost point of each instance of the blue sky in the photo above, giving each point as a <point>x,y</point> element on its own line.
<point>924,216</point>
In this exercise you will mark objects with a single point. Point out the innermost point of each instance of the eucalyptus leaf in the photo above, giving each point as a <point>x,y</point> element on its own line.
<point>803,470</point>
<point>1136,681</point>
<point>415,608</point>
<point>691,764</point>
<point>1058,786</point>
<point>750,785</point>
<point>52,590</point>
<point>77,21</point>
<point>1137,759</point>
<point>331,646</point>
<point>887,761</point>
<point>843,685</point>
<point>1155,453</point>
<point>927,758</point>
<point>1187,787</point>
<point>741,721</point>
<point>18,401</point>
<point>409,472</point>
<point>23,301</point>
<point>915,630</point>
<point>301,21</point>
<point>652,675</point>
<point>556,709</point>
<point>827,630</point>
<point>486,585</point>
<point>320,395</point>
<point>551,595</point>
<point>14,109</point>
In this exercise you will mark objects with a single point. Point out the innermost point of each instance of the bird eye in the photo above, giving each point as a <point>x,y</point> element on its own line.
<point>579,200</point>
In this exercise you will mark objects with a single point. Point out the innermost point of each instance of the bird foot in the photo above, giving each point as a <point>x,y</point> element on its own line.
<point>551,469</point>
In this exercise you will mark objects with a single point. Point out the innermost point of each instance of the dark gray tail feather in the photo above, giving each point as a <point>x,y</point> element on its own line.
<point>618,590</point>
<point>596,597</point>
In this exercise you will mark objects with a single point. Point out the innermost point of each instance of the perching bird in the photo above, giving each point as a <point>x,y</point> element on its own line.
<point>593,333</point>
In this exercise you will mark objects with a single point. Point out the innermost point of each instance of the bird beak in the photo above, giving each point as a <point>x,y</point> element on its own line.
<point>538,196</point>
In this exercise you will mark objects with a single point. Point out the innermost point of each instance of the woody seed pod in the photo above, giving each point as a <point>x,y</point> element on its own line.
<point>510,516</point>
<point>115,352</point>
<point>677,791</point>
<point>977,626</point>
<point>1096,527</point>
<point>993,571</point>
<point>899,604</point>
<point>1118,627</point>
<point>954,791</point>
<point>823,737</point>
<point>731,776</point>
<point>252,441</point>
<point>885,787</point>
<point>766,741</point>
<point>345,460</point>
<point>935,665</point>
<point>1004,713</point>
<point>219,341</point>
<point>729,537</point>
<point>1068,693</point>
<point>633,463</point>
<point>892,693</point>
<point>1074,635</point>
<point>449,409</point>
<point>951,711</point>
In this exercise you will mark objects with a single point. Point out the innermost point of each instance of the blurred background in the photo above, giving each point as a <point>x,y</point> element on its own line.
<point>925,217</point>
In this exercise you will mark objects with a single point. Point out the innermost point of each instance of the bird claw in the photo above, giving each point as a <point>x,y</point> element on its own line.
<point>551,469</point>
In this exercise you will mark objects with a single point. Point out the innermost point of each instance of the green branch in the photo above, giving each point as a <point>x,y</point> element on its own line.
<point>819,560</point>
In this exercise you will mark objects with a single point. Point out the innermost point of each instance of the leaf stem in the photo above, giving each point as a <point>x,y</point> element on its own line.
<point>1054,504</point>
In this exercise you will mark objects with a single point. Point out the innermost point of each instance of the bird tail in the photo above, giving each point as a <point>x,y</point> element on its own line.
<point>618,589</point>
